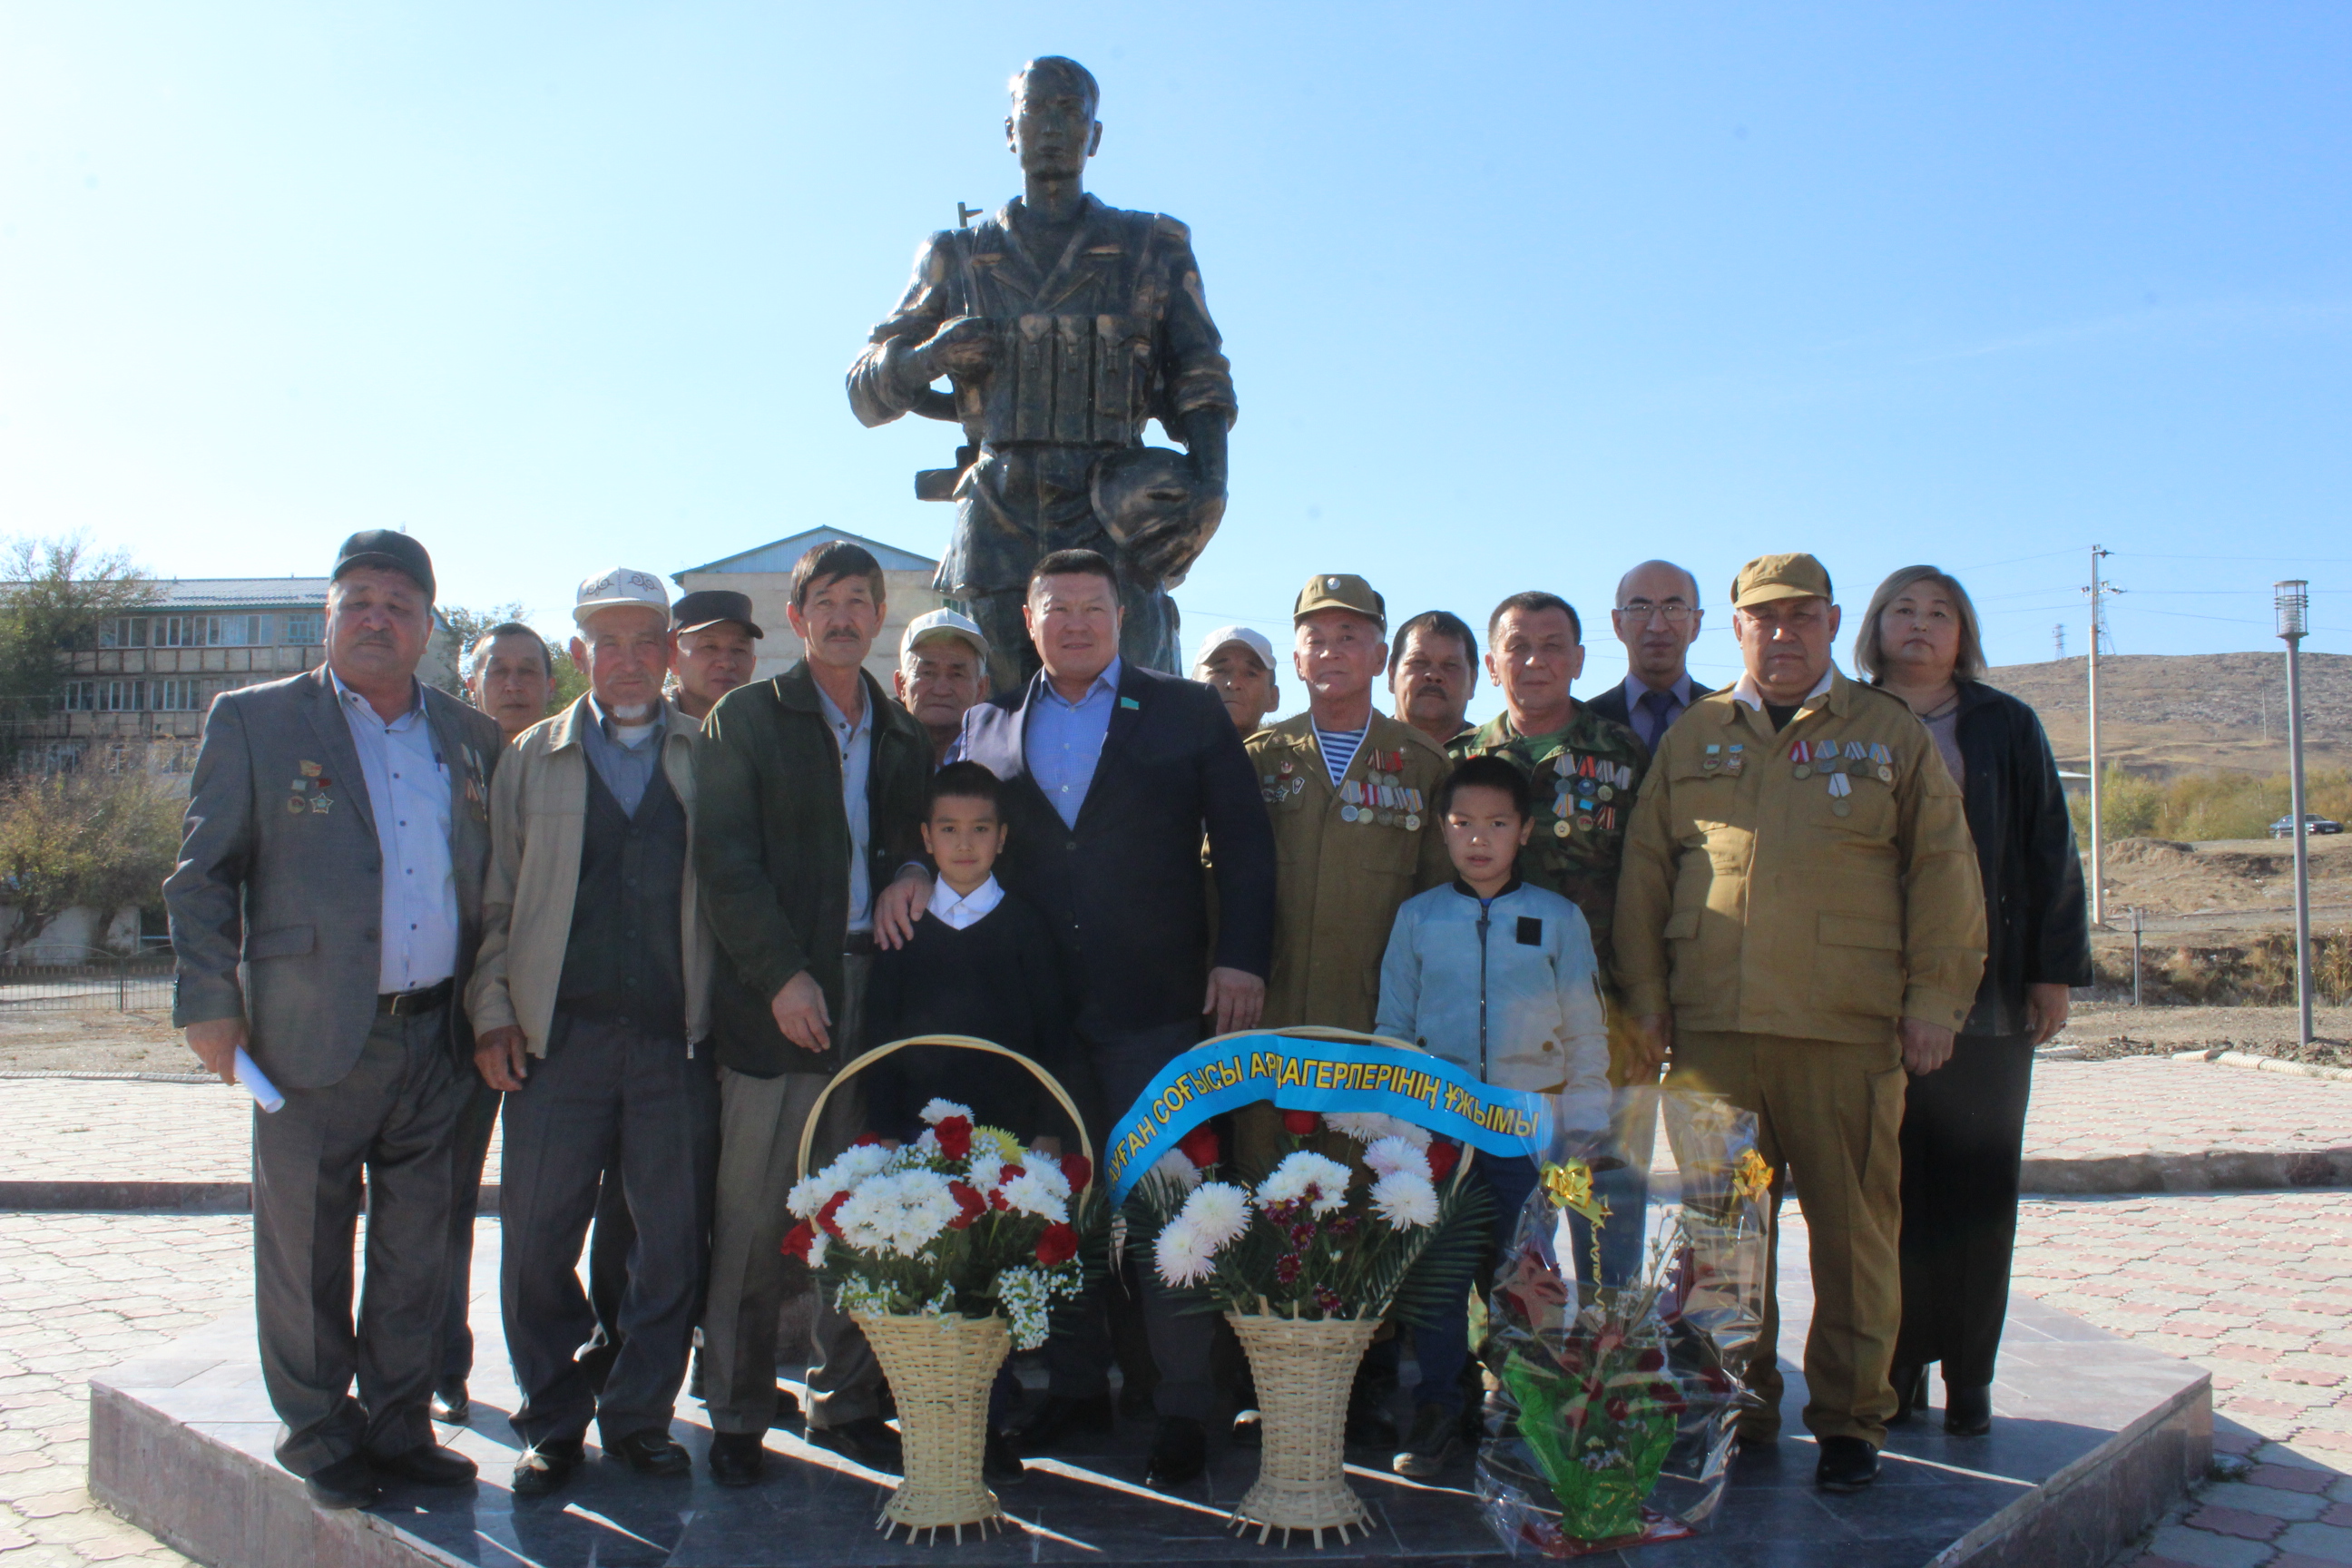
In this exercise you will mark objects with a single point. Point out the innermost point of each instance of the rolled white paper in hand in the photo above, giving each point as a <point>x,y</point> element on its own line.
<point>257,1083</point>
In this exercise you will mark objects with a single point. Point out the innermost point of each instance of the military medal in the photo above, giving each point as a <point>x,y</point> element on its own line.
<point>1559,829</point>
<point>1737,760</point>
<point>1886,774</point>
<point>1713,762</point>
<point>1798,755</point>
<point>1841,786</point>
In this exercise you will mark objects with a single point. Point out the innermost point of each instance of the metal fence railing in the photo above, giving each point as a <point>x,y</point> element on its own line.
<point>98,982</point>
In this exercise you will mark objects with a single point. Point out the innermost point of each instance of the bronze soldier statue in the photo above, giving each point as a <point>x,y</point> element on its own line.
<point>1063,326</point>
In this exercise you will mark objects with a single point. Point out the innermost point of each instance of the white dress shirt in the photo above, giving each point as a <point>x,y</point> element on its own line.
<point>962,909</point>
<point>408,794</point>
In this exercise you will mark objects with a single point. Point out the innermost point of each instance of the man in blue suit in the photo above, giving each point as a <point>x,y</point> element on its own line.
<point>326,911</point>
<point>1113,772</point>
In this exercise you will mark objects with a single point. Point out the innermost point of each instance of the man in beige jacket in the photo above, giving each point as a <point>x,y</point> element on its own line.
<point>590,1002</point>
<point>1798,920</point>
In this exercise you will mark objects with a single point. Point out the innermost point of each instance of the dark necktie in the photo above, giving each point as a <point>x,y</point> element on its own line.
<point>1654,716</point>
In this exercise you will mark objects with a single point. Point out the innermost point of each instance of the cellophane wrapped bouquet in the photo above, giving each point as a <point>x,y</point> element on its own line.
<point>961,1220</point>
<point>1612,1420</point>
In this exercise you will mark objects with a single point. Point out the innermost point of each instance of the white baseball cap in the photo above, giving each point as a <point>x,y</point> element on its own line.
<point>947,621</point>
<point>621,586</point>
<point>1254,641</point>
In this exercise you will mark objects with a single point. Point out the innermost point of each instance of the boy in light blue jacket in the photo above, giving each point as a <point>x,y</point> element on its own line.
<point>1498,978</point>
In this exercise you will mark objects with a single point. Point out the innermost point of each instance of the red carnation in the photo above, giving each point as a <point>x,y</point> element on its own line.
<point>865,1141</point>
<point>1200,1146</point>
<point>1617,1407</point>
<point>1059,1243</point>
<point>1078,1170</point>
<point>1300,1123</point>
<point>969,1202</point>
<point>832,1206</point>
<point>1442,1157</point>
<point>1650,1360</point>
<point>955,1136</point>
<point>800,1241</point>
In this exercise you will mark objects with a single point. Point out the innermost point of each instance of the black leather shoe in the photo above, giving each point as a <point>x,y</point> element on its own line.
<point>429,1465</point>
<point>788,1409</point>
<point>1059,1418</point>
<point>1436,1440</point>
<point>346,1483</point>
<point>868,1440</point>
<point>1179,1452</point>
<point>452,1405</point>
<point>737,1458</point>
<point>1968,1411</point>
<point>1848,1465</point>
<point>1910,1392</point>
<point>547,1468</point>
<point>1249,1428</point>
<point>651,1453</point>
<point>999,1465</point>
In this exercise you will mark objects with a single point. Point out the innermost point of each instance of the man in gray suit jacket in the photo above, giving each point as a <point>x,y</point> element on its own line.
<point>325,912</point>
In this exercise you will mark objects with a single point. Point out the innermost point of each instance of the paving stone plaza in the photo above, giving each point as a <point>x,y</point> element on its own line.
<point>2253,1286</point>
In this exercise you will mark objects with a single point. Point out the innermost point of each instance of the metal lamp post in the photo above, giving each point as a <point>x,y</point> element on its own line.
<point>2294,600</point>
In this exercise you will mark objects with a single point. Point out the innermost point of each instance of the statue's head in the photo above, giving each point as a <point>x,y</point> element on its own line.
<point>1052,128</point>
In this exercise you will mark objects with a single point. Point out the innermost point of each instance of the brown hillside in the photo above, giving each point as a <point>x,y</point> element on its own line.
<point>2167,713</point>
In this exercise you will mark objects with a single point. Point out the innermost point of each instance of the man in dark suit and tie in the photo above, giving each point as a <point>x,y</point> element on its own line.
<point>1656,618</point>
<point>325,912</point>
<point>1113,772</point>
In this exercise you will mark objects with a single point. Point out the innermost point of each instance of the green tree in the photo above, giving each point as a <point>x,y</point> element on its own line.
<point>101,839</point>
<point>55,595</point>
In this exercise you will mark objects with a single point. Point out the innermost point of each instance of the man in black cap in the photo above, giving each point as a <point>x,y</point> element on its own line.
<point>325,911</point>
<point>711,634</point>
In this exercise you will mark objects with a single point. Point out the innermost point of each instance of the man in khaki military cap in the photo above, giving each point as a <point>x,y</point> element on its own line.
<point>1798,920</point>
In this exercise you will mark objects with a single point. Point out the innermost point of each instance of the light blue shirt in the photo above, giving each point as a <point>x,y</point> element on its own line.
<point>855,743</point>
<point>408,791</point>
<point>626,767</point>
<point>1064,740</point>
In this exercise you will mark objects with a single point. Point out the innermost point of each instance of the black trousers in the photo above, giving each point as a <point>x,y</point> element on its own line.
<point>1963,1140</point>
<point>606,1090</point>
<point>476,1122</point>
<point>380,1139</point>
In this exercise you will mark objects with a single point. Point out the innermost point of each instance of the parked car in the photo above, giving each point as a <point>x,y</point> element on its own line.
<point>2285,827</point>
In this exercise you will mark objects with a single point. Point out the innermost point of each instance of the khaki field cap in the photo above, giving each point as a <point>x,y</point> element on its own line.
<point>1769,577</point>
<point>1340,590</point>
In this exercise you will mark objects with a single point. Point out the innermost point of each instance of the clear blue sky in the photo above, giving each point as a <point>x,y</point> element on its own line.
<point>1515,295</point>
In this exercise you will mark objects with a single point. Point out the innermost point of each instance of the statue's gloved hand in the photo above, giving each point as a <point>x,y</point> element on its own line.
<point>963,347</point>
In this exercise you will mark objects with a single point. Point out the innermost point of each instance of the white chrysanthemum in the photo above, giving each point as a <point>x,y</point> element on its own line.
<point>1405,1200</point>
<point>1371,1126</point>
<point>1032,1192</point>
<point>898,1214</point>
<point>1176,1169</point>
<point>817,1247</point>
<point>1304,1172</point>
<point>853,1166</point>
<point>1218,1210</point>
<point>1048,1171</point>
<point>928,1145</point>
<point>1387,1156</point>
<point>938,1111</point>
<point>986,1165</point>
<point>1183,1254</point>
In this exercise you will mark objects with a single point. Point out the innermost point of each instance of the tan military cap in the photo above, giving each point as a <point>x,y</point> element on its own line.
<point>1769,577</point>
<point>1340,590</point>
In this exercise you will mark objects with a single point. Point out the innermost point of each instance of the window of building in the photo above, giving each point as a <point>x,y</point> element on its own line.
<point>306,629</point>
<point>182,696</point>
<point>106,696</point>
<point>211,631</point>
<point>127,631</point>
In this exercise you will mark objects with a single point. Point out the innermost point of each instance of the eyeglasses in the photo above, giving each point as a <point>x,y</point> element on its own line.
<point>1675,612</point>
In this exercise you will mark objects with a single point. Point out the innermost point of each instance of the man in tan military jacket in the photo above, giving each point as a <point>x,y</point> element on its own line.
<point>1349,790</point>
<point>1798,920</point>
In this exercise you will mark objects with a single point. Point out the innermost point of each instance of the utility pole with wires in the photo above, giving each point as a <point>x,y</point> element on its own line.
<point>2097,591</point>
<point>2058,632</point>
<point>2293,599</point>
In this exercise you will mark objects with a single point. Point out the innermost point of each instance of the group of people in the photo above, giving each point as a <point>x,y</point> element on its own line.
<point>650,929</point>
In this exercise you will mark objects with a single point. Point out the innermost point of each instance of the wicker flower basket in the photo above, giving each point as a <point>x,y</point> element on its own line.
<point>939,1370</point>
<point>1304,1371</point>
<point>940,1367</point>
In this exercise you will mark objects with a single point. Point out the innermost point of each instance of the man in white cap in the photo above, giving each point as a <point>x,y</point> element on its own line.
<point>942,671</point>
<point>1237,664</point>
<point>590,1002</point>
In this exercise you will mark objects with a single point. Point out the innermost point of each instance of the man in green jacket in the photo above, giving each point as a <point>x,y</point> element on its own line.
<point>810,799</point>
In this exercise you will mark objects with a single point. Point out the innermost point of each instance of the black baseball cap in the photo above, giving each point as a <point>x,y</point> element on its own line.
<point>389,549</point>
<point>708,607</point>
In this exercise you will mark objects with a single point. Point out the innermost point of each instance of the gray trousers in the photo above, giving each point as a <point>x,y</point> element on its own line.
<point>476,1122</point>
<point>607,1089</point>
<point>1078,1357</point>
<point>761,1121</point>
<point>379,1139</point>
